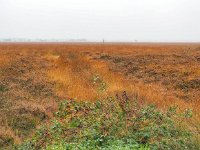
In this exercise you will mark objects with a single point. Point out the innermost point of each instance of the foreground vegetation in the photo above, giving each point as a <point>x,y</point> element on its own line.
<point>35,78</point>
<point>113,123</point>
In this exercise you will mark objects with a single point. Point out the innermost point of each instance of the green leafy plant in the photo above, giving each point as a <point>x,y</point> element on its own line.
<point>102,86</point>
<point>112,123</point>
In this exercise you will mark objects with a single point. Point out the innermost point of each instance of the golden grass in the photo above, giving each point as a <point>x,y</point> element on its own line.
<point>74,75</point>
<point>8,132</point>
<point>73,68</point>
<point>4,59</point>
<point>73,78</point>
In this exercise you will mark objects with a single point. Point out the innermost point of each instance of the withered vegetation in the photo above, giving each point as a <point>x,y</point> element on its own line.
<point>34,78</point>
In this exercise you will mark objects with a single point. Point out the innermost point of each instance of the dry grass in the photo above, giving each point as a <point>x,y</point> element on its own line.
<point>74,74</point>
<point>64,71</point>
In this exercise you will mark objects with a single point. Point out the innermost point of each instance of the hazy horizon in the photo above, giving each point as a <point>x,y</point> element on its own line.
<point>112,20</point>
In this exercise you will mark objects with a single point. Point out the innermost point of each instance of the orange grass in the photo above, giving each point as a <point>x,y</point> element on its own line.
<point>73,67</point>
<point>73,77</point>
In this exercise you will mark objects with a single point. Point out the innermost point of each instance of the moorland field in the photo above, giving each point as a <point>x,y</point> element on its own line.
<point>36,77</point>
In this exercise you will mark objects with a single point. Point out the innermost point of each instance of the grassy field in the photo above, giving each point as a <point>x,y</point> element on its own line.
<point>36,77</point>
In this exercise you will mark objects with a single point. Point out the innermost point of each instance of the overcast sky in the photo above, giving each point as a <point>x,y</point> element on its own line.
<point>114,20</point>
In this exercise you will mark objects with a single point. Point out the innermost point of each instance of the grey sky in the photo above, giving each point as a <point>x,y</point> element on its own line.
<point>114,20</point>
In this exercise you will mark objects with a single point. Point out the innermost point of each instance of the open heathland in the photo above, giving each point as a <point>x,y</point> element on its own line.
<point>73,83</point>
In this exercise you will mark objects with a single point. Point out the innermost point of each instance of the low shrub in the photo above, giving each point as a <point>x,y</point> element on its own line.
<point>114,123</point>
<point>22,125</point>
<point>6,141</point>
<point>3,88</point>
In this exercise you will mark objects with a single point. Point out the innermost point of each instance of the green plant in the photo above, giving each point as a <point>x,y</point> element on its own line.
<point>3,88</point>
<point>113,123</point>
<point>102,86</point>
